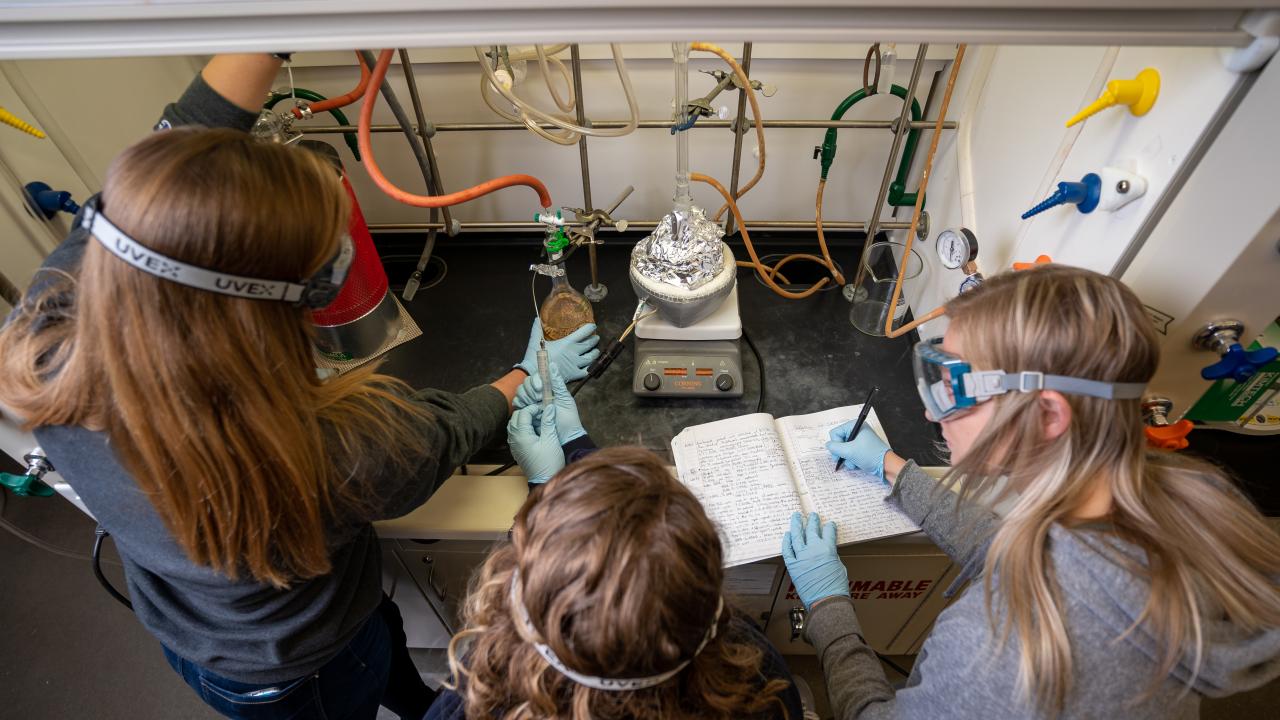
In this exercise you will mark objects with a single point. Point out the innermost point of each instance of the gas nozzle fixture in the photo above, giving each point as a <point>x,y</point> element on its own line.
<point>1162,434</point>
<point>1138,94</point>
<point>30,482</point>
<point>1109,190</point>
<point>1236,363</point>
<point>1084,195</point>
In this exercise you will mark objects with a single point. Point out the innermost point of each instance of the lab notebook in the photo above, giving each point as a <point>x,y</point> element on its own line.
<point>752,472</point>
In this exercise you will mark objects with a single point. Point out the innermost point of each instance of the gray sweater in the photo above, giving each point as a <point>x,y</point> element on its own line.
<point>245,630</point>
<point>962,673</point>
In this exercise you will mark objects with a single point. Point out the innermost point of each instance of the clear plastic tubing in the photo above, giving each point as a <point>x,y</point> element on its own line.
<point>683,199</point>
<point>544,372</point>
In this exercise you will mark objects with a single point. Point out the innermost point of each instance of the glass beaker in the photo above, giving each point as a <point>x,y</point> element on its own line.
<point>564,310</point>
<point>871,301</point>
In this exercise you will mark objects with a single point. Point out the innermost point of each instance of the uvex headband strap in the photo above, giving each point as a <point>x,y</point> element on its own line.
<point>600,683</point>
<point>316,293</point>
<point>995,382</point>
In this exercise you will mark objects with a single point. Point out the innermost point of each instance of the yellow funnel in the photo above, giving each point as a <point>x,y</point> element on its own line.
<point>14,121</point>
<point>1139,94</point>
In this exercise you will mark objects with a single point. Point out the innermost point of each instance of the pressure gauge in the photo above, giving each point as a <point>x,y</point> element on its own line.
<point>957,246</point>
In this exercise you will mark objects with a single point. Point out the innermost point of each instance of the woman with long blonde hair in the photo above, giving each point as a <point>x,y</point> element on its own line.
<point>163,358</point>
<point>608,602</point>
<point>1116,581</point>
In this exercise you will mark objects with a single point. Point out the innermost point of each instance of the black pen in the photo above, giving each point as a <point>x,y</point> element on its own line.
<point>862,417</point>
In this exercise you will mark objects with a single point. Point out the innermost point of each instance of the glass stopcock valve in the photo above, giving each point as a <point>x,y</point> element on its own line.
<point>1084,195</point>
<point>1236,363</point>
<point>29,483</point>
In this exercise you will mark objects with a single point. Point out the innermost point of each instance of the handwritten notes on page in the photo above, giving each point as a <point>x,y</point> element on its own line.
<point>738,471</point>
<point>852,498</point>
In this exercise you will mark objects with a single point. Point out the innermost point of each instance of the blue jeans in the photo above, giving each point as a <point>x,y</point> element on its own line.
<point>373,669</point>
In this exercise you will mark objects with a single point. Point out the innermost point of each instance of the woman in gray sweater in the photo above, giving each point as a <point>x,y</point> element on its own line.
<point>1116,581</point>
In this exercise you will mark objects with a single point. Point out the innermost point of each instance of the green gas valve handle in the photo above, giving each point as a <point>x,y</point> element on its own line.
<point>30,482</point>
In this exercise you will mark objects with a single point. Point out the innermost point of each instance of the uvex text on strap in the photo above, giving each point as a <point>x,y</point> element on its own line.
<point>600,683</point>
<point>315,292</point>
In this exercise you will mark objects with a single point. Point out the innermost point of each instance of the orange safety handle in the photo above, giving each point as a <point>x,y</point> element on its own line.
<point>343,100</point>
<point>1041,260</point>
<point>427,201</point>
<point>1169,437</point>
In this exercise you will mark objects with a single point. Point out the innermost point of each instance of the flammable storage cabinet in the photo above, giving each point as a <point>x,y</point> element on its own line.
<point>897,587</point>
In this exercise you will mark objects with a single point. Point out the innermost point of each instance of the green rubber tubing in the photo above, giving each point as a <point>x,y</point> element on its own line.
<point>313,96</point>
<point>898,195</point>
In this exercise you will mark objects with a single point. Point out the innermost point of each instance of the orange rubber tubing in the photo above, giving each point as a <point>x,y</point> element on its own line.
<point>766,272</point>
<point>427,201</point>
<point>755,115</point>
<point>344,100</point>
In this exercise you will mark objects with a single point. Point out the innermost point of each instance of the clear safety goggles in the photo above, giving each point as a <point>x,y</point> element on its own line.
<point>949,386</point>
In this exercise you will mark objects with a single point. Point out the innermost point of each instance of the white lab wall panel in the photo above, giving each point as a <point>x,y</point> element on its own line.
<point>1216,252</point>
<point>1193,86</point>
<point>1015,129</point>
<point>26,238</point>
<point>103,105</point>
<point>1018,136</point>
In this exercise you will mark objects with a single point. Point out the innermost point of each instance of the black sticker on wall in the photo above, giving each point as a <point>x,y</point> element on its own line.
<point>1160,319</point>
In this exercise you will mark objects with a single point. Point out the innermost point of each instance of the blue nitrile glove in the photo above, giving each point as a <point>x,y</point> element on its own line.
<point>531,433</point>
<point>866,451</point>
<point>572,354</point>
<point>810,554</point>
<point>568,422</point>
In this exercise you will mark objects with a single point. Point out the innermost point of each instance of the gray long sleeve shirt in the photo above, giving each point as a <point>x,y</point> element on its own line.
<point>961,671</point>
<point>246,630</point>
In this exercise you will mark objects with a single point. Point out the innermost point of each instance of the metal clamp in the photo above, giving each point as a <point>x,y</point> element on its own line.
<point>431,577</point>
<point>797,617</point>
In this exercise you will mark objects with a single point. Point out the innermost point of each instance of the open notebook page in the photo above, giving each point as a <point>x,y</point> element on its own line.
<point>739,473</point>
<point>855,500</point>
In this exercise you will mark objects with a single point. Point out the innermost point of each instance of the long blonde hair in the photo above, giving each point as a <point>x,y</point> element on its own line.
<point>621,574</point>
<point>1208,550</point>
<point>211,402</point>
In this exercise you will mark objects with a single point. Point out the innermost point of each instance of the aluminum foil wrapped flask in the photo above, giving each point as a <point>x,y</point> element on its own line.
<point>683,268</point>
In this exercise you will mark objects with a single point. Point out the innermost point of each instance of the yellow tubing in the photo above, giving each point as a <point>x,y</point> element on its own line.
<point>755,115</point>
<point>766,273</point>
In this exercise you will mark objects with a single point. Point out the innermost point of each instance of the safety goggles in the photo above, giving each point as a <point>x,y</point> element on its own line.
<point>949,386</point>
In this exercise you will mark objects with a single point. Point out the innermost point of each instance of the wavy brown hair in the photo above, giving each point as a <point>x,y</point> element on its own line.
<point>211,402</point>
<point>621,573</point>
<point>1208,551</point>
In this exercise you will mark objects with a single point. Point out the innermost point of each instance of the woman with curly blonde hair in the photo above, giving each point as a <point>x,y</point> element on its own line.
<point>608,602</point>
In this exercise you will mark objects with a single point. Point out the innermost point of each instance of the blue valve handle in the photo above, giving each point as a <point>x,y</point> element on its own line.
<point>25,485</point>
<point>47,201</point>
<point>681,126</point>
<point>1239,364</point>
<point>1084,195</point>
